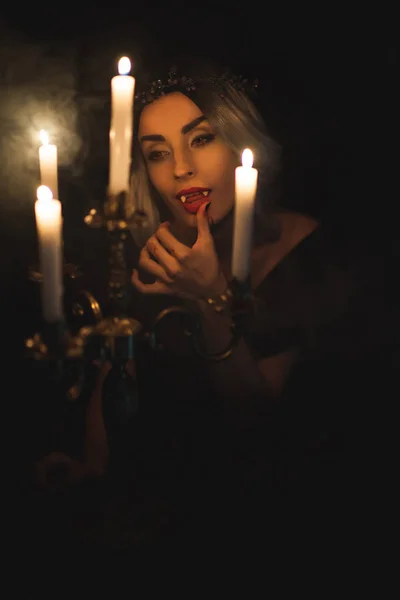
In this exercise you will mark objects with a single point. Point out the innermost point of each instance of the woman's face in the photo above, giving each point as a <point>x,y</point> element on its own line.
<point>187,162</point>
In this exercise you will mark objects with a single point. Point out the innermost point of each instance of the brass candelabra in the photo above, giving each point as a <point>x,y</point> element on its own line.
<point>114,338</point>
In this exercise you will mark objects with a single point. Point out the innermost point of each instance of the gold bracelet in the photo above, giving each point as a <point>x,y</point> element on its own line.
<point>221,302</point>
<point>217,356</point>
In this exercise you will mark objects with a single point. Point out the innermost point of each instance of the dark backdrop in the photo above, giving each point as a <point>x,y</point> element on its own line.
<point>325,92</point>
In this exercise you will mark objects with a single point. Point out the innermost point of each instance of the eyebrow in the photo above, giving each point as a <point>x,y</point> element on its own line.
<point>156,137</point>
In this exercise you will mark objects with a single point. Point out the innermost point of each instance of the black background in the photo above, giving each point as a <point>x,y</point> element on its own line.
<point>326,93</point>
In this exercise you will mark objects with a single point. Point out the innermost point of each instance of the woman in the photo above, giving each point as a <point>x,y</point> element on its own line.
<point>189,139</point>
<point>267,401</point>
<point>189,145</point>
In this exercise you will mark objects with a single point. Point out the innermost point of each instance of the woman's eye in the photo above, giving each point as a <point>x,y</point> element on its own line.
<point>203,139</point>
<point>157,155</point>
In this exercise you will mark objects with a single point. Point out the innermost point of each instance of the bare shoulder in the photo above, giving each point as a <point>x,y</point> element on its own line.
<point>296,227</point>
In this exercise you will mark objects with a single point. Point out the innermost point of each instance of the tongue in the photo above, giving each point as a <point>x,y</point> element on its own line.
<point>193,206</point>
<point>195,197</point>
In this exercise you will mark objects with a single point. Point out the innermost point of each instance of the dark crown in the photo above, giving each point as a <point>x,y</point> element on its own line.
<point>186,84</point>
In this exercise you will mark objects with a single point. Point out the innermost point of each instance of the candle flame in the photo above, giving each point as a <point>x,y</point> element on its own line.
<point>124,65</point>
<point>247,158</point>
<point>44,138</point>
<point>44,193</point>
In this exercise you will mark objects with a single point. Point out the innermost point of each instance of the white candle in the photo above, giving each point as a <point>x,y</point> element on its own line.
<point>49,225</point>
<point>48,164</point>
<point>122,89</point>
<point>245,193</point>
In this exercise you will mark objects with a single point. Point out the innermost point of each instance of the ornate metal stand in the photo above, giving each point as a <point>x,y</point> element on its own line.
<point>111,338</point>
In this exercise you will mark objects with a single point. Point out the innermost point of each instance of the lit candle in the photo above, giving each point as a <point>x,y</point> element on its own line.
<point>48,163</point>
<point>49,225</point>
<point>245,193</point>
<point>122,89</point>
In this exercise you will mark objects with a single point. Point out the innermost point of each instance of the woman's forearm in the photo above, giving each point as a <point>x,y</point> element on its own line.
<point>236,378</point>
<point>96,445</point>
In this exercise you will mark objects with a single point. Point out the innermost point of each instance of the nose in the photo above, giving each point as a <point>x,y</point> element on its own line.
<point>183,168</point>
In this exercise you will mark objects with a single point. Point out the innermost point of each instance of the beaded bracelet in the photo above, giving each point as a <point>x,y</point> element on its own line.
<point>221,302</point>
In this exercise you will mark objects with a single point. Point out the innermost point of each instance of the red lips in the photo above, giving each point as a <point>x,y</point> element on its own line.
<point>192,190</point>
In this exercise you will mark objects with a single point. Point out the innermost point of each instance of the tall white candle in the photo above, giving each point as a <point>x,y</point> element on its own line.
<point>49,226</point>
<point>122,90</point>
<point>245,193</point>
<point>48,163</point>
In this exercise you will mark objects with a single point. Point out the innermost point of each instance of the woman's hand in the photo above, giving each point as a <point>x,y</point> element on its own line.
<point>182,271</point>
<point>58,471</point>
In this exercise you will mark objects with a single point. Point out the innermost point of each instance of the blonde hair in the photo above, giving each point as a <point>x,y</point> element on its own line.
<point>234,117</point>
<point>141,197</point>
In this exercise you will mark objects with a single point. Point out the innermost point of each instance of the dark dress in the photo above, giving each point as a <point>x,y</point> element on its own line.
<point>319,301</point>
<point>189,472</point>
